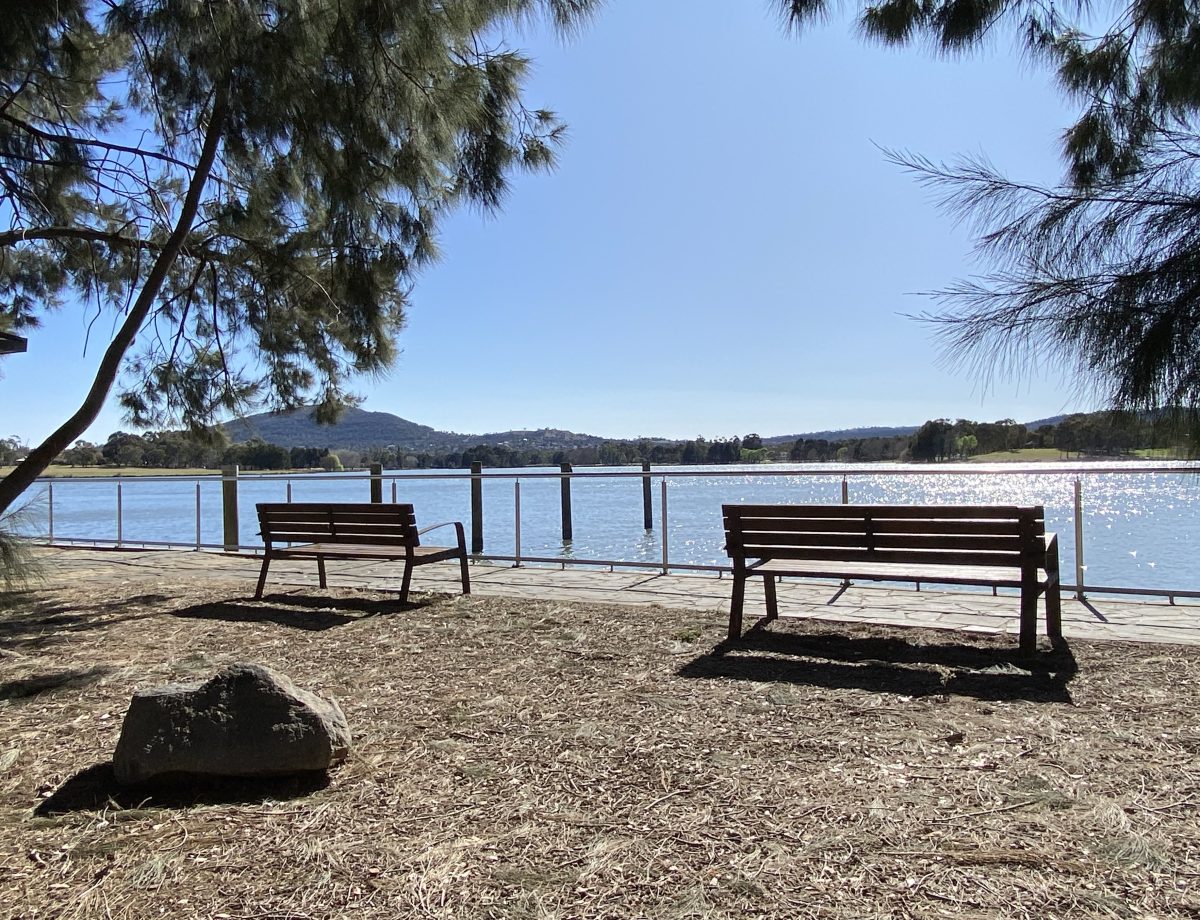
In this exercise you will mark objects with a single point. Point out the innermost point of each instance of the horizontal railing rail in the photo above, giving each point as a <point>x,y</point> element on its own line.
<point>230,479</point>
<point>766,470</point>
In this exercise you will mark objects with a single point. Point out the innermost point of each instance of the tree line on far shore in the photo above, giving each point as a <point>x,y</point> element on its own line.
<point>1098,434</point>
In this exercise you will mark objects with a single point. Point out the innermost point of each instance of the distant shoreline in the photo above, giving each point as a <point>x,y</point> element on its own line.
<point>1023,455</point>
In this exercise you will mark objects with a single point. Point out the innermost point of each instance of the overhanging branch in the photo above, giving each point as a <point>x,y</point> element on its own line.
<point>13,237</point>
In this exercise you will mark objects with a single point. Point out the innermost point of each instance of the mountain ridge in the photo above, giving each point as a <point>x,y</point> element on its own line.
<point>360,428</point>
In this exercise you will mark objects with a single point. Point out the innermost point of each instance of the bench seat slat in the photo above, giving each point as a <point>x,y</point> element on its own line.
<point>365,551</point>
<point>851,554</point>
<point>881,512</point>
<point>972,543</point>
<point>994,527</point>
<point>1002,577</point>
<point>343,539</point>
<point>325,513</point>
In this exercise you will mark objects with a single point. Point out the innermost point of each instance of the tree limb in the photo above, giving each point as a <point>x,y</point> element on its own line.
<point>94,142</point>
<point>12,237</point>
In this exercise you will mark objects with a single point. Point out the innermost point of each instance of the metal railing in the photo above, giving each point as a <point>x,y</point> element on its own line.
<point>231,478</point>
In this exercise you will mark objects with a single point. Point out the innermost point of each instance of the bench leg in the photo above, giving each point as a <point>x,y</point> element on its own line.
<point>735,605</point>
<point>462,557</point>
<point>1054,611</point>
<point>321,571</point>
<point>466,574</point>
<point>1053,594</point>
<point>262,578</point>
<point>406,582</point>
<point>772,604</point>
<point>1029,596</point>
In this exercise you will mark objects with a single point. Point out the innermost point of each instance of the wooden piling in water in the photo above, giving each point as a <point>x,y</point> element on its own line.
<point>566,502</point>
<point>476,506</point>
<point>647,504</point>
<point>229,507</point>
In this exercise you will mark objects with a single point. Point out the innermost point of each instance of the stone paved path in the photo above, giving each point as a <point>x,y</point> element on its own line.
<point>1099,617</point>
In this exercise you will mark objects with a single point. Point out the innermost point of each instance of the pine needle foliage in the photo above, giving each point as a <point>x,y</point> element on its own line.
<point>248,186</point>
<point>19,567</point>
<point>1101,273</point>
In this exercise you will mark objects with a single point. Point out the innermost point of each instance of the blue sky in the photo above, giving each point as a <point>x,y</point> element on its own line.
<point>723,248</point>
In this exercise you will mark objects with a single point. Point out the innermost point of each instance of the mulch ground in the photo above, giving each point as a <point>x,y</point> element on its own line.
<point>540,759</point>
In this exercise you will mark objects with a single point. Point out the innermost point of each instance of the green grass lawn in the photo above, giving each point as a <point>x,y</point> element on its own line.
<point>1160,453</point>
<point>1037,454</point>
<point>1024,455</point>
<point>62,471</point>
<point>84,472</point>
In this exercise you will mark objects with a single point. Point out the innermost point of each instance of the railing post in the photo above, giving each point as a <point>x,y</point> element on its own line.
<point>50,535</point>
<point>662,513</point>
<point>289,492</point>
<point>476,506</point>
<point>565,486</point>
<point>517,524</point>
<point>120,521</point>
<point>845,491</point>
<point>394,490</point>
<point>647,510</point>
<point>377,483</point>
<point>197,515</point>
<point>1079,564</point>
<point>229,507</point>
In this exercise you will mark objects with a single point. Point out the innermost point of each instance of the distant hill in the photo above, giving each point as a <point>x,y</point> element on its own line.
<point>1043,422</point>
<point>359,429</point>
<point>844,434</point>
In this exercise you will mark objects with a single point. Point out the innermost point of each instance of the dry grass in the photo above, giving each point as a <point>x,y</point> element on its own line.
<point>536,759</point>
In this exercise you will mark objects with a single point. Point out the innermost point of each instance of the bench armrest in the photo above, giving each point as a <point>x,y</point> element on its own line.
<point>457,525</point>
<point>1051,543</point>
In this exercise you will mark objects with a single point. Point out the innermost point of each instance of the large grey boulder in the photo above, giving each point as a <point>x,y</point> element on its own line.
<point>247,721</point>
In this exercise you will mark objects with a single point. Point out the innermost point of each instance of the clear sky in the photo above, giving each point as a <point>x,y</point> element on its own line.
<point>723,248</point>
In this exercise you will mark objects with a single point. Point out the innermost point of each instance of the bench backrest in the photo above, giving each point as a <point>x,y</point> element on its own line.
<point>991,535</point>
<point>316,522</point>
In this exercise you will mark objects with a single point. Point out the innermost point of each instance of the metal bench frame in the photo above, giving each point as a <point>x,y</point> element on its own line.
<point>992,545</point>
<point>320,530</point>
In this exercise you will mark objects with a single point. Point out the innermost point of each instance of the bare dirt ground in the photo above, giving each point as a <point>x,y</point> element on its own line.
<point>537,759</point>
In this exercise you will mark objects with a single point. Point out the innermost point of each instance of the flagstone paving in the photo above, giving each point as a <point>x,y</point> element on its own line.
<point>1096,617</point>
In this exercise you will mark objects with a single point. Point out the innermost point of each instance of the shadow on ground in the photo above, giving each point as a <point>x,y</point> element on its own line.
<point>96,788</point>
<point>47,683</point>
<point>887,664</point>
<point>357,603</point>
<point>35,623</point>
<point>308,613</point>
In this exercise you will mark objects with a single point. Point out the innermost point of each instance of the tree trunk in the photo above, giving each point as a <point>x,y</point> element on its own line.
<point>21,478</point>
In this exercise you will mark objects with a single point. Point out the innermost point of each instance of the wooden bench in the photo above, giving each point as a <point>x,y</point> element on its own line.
<point>352,531</point>
<point>1000,546</point>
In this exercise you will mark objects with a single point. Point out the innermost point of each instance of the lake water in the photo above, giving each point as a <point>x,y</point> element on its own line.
<point>1141,526</point>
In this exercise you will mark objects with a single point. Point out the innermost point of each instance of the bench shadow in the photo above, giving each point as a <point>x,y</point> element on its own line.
<point>96,787</point>
<point>26,687</point>
<point>373,606</point>
<point>888,664</point>
<point>314,614</point>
